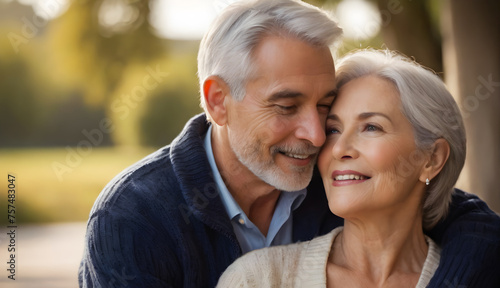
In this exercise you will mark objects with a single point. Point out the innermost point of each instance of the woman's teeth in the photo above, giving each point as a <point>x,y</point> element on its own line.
<point>349,177</point>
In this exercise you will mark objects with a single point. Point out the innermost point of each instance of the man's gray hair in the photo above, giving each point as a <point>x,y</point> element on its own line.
<point>226,49</point>
<point>430,109</point>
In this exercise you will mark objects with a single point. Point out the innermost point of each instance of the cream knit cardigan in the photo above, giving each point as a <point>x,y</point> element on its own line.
<point>300,265</point>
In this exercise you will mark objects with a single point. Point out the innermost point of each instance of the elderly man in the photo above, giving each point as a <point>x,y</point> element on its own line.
<point>238,177</point>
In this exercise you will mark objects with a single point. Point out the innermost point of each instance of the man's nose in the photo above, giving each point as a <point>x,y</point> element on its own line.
<point>312,129</point>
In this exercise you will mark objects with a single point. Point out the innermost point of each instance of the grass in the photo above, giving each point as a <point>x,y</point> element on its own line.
<point>59,185</point>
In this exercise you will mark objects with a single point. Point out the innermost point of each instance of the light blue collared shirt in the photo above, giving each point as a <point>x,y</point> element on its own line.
<point>248,235</point>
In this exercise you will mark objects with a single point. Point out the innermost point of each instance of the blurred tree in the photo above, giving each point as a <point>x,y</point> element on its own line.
<point>99,61</point>
<point>70,119</point>
<point>171,105</point>
<point>108,50</point>
<point>34,110</point>
<point>171,111</point>
<point>19,109</point>
<point>471,45</point>
<point>409,28</point>
<point>95,39</point>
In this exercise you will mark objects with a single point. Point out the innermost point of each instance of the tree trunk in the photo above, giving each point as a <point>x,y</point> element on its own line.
<point>471,54</point>
<point>407,27</point>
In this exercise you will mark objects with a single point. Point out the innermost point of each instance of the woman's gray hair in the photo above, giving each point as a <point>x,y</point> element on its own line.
<point>226,49</point>
<point>430,109</point>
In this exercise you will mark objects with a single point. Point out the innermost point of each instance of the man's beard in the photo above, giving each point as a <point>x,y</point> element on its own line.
<point>251,156</point>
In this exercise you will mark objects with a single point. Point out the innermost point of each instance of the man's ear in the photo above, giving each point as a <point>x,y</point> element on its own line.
<point>215,91</point>
<point>438,157</point>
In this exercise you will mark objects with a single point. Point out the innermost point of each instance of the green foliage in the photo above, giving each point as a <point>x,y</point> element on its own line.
<point>94,55</point>
<point>168,108</point>
<point>167,113</point>
<point>19,112</point>
<point>63,76</point>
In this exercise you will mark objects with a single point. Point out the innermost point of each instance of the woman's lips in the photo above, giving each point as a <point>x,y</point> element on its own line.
<point>347,177</point>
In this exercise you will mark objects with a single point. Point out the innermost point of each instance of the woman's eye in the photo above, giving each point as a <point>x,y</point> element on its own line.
<point>372,128</point>
<point>330,131</point>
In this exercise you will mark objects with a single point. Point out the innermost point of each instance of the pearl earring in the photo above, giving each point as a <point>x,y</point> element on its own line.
<point>427,181</point>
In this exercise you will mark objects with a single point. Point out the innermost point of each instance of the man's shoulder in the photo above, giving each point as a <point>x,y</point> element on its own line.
<point>158,181</point>
<point>470,241</point>
<point>142,181</point>
<point>468,209</point>
<point>146,171</point>
<point>156,175</point>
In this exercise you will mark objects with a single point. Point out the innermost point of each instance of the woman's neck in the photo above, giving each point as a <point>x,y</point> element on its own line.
<point>381,251</point>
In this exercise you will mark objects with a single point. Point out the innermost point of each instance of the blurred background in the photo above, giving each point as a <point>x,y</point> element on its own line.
<point>88,87</point>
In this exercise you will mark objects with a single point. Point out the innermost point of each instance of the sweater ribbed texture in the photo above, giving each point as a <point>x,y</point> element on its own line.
<point>470,255</point>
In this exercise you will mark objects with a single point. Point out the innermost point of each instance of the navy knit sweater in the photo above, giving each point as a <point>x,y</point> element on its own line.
<point>161,223</point>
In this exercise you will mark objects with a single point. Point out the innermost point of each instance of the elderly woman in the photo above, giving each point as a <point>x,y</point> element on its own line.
<point>395,148</point>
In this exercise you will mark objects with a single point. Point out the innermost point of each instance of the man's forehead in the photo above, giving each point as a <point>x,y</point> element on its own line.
<point>291,53</point>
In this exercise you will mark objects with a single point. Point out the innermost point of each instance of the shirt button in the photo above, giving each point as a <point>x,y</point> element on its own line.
<point>242,221</point>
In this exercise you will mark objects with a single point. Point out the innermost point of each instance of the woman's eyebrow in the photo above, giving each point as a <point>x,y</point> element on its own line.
<point>366,115</point>
<point>362,116</point>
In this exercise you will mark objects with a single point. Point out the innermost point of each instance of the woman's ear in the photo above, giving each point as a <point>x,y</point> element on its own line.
<point>438,157</point>
<point>215,91</point>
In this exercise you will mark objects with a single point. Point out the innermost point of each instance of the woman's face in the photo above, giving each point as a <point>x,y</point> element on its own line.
<point>370,161</point>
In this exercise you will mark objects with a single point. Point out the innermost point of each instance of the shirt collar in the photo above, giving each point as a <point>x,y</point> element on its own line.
<point>232,208</point>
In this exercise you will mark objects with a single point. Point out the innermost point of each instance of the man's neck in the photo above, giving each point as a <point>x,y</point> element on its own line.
<point>259,210</point>
<point>255,197</point>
